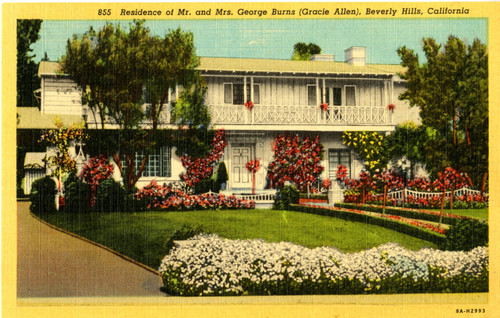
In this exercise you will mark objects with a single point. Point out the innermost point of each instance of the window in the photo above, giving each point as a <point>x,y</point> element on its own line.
<point>338,157</point>
<point>158,164</point>
<point>234,94</point>
<point>337,96</point>
<point>311,95</point>
<point>256,94</point>
<point>350,95</point>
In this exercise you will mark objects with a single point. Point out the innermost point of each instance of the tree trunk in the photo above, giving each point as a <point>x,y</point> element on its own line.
<point>385,198</point>
<point>483,183</point>
<point>451,198</point>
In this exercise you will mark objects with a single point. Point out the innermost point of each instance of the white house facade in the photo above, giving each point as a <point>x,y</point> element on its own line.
<point>286,97</point>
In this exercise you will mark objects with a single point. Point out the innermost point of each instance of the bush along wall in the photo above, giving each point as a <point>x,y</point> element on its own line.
<point>285,197</point>
<point>254,267</point>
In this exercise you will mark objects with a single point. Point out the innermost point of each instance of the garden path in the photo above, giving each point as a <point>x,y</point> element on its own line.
<point>54,264</point>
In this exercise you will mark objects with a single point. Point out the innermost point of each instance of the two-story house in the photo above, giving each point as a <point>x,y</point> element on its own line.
<point>286,96</point>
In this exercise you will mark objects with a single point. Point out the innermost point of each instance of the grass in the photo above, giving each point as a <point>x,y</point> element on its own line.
<point>473,213</point>
<point>142,236</point>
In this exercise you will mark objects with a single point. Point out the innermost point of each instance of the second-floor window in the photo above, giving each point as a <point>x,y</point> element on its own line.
<point>350,95</point>
<point>336,99</point>
<point>311,95</point>
<point>234,93</point>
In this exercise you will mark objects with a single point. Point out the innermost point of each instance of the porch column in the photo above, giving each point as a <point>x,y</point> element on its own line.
<point>318,101</point>
<point>384,102</point>
<point>176,91</point>
<point>251,89</point>
<point>245,96</point>
<point>324,92</point>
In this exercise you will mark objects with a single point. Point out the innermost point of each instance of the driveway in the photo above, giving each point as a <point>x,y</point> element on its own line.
<point>54,264</point>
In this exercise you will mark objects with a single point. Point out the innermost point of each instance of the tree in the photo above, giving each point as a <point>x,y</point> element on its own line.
<point>125,79</point>
<point>450,89</point>
<point>303,52</point>
<point>27,69</point>
<point>369,146</point>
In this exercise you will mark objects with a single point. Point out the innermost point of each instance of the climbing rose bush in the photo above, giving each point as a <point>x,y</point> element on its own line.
<point>295,161</point>
<point>210,265</point>
<point>198,169</point>
<point>95,171</point>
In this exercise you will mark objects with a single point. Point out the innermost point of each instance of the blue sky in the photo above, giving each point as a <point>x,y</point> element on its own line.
<point>275,38</point>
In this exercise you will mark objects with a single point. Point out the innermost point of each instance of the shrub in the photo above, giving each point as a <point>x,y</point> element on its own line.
<point>185,232</point>
<point>110,196</point>
<point>286,196</point>
<point>77,197</point>
<point>467,234</point>
<point>222,175</point>
<point>43,195</point>
<point>210,265</point>
<point>206,185</point>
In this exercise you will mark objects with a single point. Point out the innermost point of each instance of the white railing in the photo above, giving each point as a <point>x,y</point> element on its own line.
<point>300,115</point>
<point>398,195</point>
<point>262,196</point>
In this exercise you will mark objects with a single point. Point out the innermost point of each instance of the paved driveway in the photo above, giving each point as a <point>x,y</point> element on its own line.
<point>55,264</point>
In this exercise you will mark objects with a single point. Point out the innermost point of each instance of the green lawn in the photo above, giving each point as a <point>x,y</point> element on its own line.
<point>142,236</point>
<point>473,213</point>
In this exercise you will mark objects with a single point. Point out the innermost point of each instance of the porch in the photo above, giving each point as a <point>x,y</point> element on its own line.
<point>301,115</point>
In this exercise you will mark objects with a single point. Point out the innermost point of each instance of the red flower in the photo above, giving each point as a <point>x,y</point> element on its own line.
<point>249,105</point>
<point>391,107</point>
<point>323,106</point>
<point>253,165</point>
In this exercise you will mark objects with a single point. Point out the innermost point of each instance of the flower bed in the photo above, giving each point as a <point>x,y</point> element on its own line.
<point>420,214</point>
<point>428,233</point>
<point>210,265</point>
<point>167,198</point>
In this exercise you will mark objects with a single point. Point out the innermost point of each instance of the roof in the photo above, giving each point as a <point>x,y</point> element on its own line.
<point>289,66</point>
<point>32,118</point>
<point>48,68</point>
<point>222,64</point>
<point>35,160</point>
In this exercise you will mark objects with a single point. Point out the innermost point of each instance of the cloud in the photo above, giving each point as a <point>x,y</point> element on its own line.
<point>252,42</point>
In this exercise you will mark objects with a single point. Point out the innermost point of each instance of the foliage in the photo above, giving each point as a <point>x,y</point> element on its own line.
<point>42,196</point>
<point>295,161</point>
<point>27,70</point>
<point>369,146</point>
<point>303,51</point>
<point>467,234</point>
<point>407,141</point>
<point>119,71</point>
<point>202,168</point>
<point>95,171</point>
<point>206,185</point>
<point>183,233</point>
<point>77,196</point>
<point>254,267</point>
<point>222,176</point>
<point>190,109</point>
<point>286,196</point>
<point>110,196</point>
<point>172,199</point>
<point>451,90</point>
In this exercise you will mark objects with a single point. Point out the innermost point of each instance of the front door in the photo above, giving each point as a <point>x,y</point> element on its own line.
<point>241,177</point>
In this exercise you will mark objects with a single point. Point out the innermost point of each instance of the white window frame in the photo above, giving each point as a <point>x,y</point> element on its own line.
<point>224,93</point>
<point>258,85</point>
<point>315,92</point>
<point>355,95</point>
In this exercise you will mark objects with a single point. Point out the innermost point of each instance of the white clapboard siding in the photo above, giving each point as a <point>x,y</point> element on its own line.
<point>60,96</point>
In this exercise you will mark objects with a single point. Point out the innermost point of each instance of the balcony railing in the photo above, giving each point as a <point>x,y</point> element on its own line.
<point>300,115</point>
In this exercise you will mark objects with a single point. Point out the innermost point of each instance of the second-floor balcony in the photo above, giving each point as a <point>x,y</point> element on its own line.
<point>300,115</point>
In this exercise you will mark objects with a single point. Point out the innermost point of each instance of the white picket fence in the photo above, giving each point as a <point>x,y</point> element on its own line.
<point>262,196</point>
<point>398,195</point>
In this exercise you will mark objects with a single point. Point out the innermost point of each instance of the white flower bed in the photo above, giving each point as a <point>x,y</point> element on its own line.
<point>208,264</point>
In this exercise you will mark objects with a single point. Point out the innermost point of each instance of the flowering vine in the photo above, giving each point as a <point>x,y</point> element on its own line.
<point>323,106</point>
<point>249,105</point>
<point>198,169</point>
<point>253,166</point>
<point>95,171</point>
<point>369,147</point>
<point>391,107</point>
<point>295,161</point>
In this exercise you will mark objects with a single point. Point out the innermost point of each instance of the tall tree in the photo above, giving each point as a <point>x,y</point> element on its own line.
<point>125,78</point>
<point>303,52</point>
<point>27,69</point>
<point>450,89</point>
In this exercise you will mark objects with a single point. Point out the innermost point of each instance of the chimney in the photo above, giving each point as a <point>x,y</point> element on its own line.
<point>323,57</point>
<point>356,55</point>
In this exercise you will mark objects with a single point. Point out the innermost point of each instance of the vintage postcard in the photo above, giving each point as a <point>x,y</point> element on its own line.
<point>250,159</point>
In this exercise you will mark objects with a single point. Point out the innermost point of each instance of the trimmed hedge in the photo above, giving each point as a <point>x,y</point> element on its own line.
<point>405,228</point>
<point>110,196</point>
<point>285,197</point>
<point>466,235</point>
<point>407,213</point>
<point>43,195</point>
<point>77,196</point>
